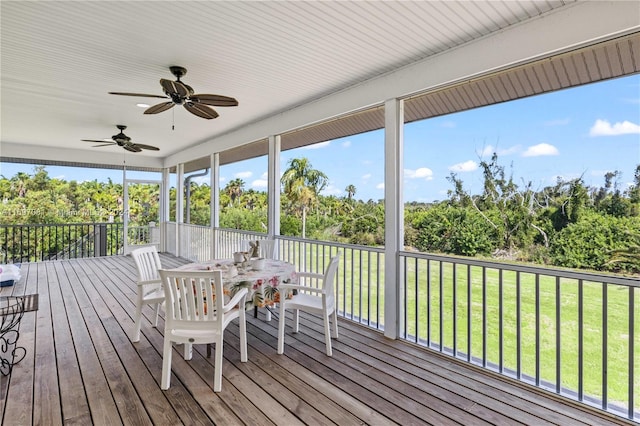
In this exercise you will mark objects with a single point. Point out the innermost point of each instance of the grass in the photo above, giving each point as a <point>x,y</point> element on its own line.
<point>429,300</point>
<point>553,325</point>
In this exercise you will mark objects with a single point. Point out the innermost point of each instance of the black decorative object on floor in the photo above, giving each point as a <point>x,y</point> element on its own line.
<point>12,308</point>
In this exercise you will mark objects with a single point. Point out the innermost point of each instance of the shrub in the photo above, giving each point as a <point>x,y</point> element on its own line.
<point>590,242</point>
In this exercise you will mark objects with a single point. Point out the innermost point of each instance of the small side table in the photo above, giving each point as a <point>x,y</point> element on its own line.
<point>12,308</point>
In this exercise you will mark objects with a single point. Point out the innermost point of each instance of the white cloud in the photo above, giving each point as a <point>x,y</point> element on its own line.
<point>604,128</point>
<point>421,173</point>
<point>448,124</point>
<point>380,185</point>
<point>488,151</point>
<point>366,177</point>
<point>201,179</point>
<point>540,150</point>
<point>222,179</point>
<point>317,145</point>
<point>331,190</point>
<point>243,175</point>
<point>467,166</point>
<point>259,183</point>
<point>346,144</point>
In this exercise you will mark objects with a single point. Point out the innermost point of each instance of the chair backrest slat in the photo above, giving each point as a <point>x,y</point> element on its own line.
<point>147,261</point>
<point>193,296</point>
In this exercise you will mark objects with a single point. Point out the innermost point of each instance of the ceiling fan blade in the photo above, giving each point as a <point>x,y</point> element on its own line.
<point>171,86</point>
<point>95,140</point>
<point>131,148</point>
<point>149,147</point>
<point>159,108</point>
<point>214,100</point>
<point>137,94</point>
<point>104,144</point>
<point>201,110</point>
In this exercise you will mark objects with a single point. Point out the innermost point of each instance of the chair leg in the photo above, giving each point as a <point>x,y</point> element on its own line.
<point>281,323</point>
<point>243,336</point>
<point>335,323</point>
<point>135,337</point>
<point>327,334</point>
<point>267,314</point>
<point>166,365</point>
<point>188,351</point>
<point>217,373</point>
<point>296,320</point>
<point>155,324</point>
<point>208,350</point>
<point>255,312</point>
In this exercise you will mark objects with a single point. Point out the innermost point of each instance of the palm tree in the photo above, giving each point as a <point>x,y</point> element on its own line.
<point>302,184</point>
<point>351,191</point>
<point>19,184</point>
<point>234,189</point>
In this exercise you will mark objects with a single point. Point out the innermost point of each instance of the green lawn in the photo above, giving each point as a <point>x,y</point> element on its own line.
<point>361,295</point>
<point>551,293</point>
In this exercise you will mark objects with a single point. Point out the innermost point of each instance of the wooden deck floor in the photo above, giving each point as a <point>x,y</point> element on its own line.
<point>82,368</point>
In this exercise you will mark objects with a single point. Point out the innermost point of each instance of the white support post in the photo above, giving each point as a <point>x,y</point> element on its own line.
<point>394,215</point>
<point>273,187</point>
<point>215,201</point>
<point>164,208</point>
<point>179,204</point>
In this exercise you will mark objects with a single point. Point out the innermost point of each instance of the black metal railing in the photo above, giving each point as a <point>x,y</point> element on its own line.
<point>39,242</point>
<point>566,331</point>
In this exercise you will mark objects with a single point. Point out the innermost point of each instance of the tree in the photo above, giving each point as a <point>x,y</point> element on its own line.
<point>302,184</point>
<point>351,191</point>
<point>234,189</point>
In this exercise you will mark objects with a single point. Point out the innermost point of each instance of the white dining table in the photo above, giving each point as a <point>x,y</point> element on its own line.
<point>262,285</point>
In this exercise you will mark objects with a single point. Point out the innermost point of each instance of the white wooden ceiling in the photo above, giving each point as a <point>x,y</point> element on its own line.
<point>279,59</point>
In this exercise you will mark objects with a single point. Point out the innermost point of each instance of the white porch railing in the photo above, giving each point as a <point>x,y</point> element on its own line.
<point>229,241</point>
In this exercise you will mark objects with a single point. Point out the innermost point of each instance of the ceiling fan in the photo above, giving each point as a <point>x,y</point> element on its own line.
<point>124,141</point>
<point>182,94</point>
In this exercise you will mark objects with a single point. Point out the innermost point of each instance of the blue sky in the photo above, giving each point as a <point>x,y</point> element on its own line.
<point>585,131</point>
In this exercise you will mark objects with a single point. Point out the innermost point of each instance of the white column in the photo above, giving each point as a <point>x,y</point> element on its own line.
<point>215,202</point>
<point>179,204</point>
<point>165,203</point>
<point>394,214</point>
<point>273,188</point>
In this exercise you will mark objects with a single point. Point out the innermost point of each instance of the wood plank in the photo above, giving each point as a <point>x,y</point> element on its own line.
<point>129,406</point>
<point>100,400</point>
<point>396,406</point>
<point>19,405</point>
<point>46,394</point>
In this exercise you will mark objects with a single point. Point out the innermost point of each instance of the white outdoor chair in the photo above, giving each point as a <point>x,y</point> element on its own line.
<point>150,290</point>
<point>196,313</point>
<point>315,294</point>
